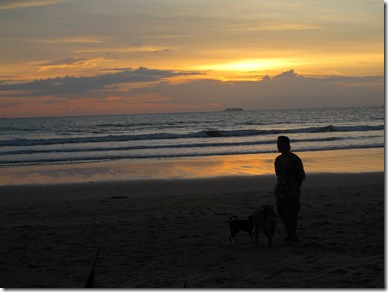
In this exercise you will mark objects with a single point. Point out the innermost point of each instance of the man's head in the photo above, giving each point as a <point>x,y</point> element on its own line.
<point>283,144</point>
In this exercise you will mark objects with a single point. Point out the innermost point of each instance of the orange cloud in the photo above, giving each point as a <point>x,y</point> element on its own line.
<point>70,63</point>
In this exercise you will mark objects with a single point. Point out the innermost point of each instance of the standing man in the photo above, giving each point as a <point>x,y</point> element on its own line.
<point>290,175</point>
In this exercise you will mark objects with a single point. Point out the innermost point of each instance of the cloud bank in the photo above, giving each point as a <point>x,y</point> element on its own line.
<point>159,89</point>
<point>286,90</point>
<point>68,85</point>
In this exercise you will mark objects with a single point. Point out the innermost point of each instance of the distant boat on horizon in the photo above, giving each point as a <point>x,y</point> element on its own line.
<point>234,109</point>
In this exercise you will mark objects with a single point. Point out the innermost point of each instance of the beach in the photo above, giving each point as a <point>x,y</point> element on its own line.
<point>134,133</point>
<point>173,233</point>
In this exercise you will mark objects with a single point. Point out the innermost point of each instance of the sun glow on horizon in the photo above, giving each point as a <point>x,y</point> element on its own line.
<point>250,65</point>
<point>249,69</point>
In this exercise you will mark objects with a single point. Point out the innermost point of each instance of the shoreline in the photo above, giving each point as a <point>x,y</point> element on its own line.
<point>163,233</point>
<point>330,161</point>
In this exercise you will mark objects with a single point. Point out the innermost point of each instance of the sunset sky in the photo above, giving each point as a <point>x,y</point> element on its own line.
<point>91,57</point>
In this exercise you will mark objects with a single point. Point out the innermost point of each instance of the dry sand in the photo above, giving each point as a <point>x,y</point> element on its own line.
<point>161,233</point>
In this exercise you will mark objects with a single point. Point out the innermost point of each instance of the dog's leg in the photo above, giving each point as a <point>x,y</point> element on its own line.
<point>269,237</point>
<point>232,234</point>
<point>232,227</point>
<point>251,234</point>
<point>257,235</point>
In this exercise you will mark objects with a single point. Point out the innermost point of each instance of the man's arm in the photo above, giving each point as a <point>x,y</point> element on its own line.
<point>277,166</point>
<point>301,175</point>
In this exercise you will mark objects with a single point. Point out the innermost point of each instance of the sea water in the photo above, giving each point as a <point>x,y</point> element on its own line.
<point>61,140</point>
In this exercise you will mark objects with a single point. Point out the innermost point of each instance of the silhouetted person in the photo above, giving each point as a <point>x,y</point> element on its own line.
<point>290,175</point>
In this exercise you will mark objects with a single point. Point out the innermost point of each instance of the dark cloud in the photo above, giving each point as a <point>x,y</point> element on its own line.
<point>77,85</point>
<point>286,90</point>
<point>286,75</point>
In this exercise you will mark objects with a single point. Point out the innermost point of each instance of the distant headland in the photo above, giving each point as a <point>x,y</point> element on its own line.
<point>234,109</point>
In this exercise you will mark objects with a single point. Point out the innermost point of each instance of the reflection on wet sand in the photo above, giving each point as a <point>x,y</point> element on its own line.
<point>338,161</point>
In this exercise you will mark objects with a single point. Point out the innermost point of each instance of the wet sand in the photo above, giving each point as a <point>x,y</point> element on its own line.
<point>333,161</point>
<point>163,233</point>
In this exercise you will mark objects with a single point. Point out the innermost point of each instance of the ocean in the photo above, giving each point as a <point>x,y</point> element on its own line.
<point>63,140</point>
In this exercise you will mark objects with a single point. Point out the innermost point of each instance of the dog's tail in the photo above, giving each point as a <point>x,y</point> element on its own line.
<point>231,218</point>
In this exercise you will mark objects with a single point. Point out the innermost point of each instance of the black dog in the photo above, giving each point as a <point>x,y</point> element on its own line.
<point>244,225</point>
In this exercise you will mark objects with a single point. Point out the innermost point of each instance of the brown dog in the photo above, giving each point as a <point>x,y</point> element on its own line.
<point>264,218</point>
<point>244,225</point>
